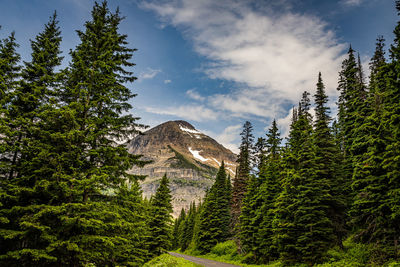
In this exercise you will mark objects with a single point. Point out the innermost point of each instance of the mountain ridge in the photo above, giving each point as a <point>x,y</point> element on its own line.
<point>189,157</point>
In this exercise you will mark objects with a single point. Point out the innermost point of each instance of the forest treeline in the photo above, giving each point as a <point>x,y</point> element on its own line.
<point>64,196</point>
<point>333,179</point>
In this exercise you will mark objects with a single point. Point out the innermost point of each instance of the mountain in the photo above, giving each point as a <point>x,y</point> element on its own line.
<point>189,158</point>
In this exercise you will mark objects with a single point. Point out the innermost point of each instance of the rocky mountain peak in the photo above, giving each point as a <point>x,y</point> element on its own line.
<point>188,157</point>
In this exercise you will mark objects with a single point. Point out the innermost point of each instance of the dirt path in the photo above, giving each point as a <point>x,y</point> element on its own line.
<point>203,262</point>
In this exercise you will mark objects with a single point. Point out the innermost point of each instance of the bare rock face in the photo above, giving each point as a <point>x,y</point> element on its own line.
<point>189,158</point>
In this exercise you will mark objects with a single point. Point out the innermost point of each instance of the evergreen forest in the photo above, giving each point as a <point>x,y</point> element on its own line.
<point>329,189</point>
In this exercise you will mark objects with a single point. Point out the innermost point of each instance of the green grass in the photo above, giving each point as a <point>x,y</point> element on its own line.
<point>356,255</point>
<point>166,260</point>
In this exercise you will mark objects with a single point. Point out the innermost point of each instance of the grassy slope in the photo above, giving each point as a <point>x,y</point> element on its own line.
<point>166,260</point>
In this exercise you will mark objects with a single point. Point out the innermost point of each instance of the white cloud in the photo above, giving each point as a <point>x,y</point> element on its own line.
<point>167,81</point>
<point>149,73</point>
<point>227,137</point>
<point>283,124</point>
<point>189,112</point>
<point>352,2</point>
<point>192,94</point>
<point>272,57</point>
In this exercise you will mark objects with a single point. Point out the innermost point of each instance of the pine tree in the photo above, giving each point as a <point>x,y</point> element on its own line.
<point>31,100</point>
<point>132,249</point>
<point>260,147</point>
<point>160,221</point>
<point>374,181</point>
<point>351,95</point>
<point>369,185</point>
<point>215,215</point>
<point>229,189</point>
<point>353,109</point>
<point>391,119</point>
<point>187,228</point>
<point>241,179</point>
<point>177,230</point>
<point>377,61</point>
<point>9,75</point>
<point>96,91</point>
<point>265,249</point>
<point>261,189</point>
<point>70,215</point>
<point>327,164</point>
<point>248,225</point>
<point>196,228</point>
<point>302,229</point>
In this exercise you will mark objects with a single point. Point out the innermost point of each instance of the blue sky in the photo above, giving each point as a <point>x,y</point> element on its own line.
<point>219,63</point>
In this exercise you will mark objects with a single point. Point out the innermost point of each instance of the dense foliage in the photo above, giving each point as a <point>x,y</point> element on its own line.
<point>66,196</point>
<point>333,185</point>
<point>215,214</point>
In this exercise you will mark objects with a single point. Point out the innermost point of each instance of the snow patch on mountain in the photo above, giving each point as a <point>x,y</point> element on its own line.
<point>229,169</point>
<point>191,131</point>
<point>219,163</point>
<point>196,154</point>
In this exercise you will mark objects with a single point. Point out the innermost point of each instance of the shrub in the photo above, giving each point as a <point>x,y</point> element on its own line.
<point>226,248</point>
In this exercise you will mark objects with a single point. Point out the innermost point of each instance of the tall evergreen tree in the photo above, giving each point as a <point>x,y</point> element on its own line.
<point>96,92</point>
<point>229,189</point>
<point>260,152</point>
<point>353,110</point>
<point>256,213</point>
<point>270,188</point>
<point>30,101</point>
<point>197,225</point>
<point>302,229</point>
<point>248,225</point>
<point>327,164</point>
<point>160,221</point>
<point>241,179</point>
<point>177,230</point>
<point>132,249</point>
<point>70,214</point>
<point>258,192</point>
<point>187,228</point>
<point>9,74</point>
<point>369,212</point>
<point>391,119</point>
<point>215,214</point>
<point>377,61</point>
<point>9,135</point>
<point>349,102</point>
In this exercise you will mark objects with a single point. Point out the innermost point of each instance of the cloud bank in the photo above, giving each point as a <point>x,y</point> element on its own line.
<point>271,56</point>
<point>228,137</point>
<point>192,94</point>
<point>189,112</point>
